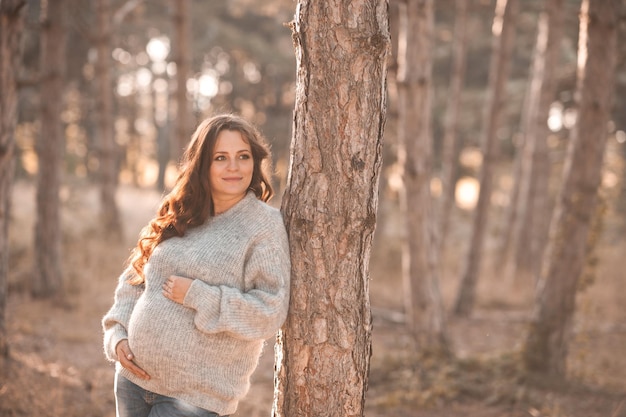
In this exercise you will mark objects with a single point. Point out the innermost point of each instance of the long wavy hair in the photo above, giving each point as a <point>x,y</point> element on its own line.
<point>189,203</point>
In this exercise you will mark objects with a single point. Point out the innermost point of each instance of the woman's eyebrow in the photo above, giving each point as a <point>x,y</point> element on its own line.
<point>240,151</point>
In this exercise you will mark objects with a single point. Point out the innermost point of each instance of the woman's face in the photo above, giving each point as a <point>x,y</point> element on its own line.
<point>231,168</point>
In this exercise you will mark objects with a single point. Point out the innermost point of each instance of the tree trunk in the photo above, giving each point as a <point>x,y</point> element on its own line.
<point>163,149</point>
<point>538,203</point>
<point>621,200</point>
<point>182,49</point>
<point>107,147</point>
<point>11,29</point>
<point>451,142</point>
<point>547,343</point>
<point>530,207</point>
<point>47,277</point>
<point>513,228</point>
<point>531,144</point>
<point>324,348</point>
<point>504,31</point>
<point>423,304</point>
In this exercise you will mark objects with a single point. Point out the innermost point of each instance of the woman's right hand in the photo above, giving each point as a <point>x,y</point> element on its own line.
<point>125,356</point>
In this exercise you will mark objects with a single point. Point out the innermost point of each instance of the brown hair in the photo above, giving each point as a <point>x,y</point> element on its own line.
<point>189,204</point>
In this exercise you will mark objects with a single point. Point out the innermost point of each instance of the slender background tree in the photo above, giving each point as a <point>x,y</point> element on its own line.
<point>107,148</point>
<point>451,142</point>
<point>181,20</point>
<point>423,305</point>
<point>548,340</point>
<point>537,201</point>
<point>503,35</point>
<point>11,29</point>
<point>47,268</point>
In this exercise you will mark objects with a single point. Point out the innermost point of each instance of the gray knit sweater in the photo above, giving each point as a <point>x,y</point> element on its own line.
<point>205,350</point>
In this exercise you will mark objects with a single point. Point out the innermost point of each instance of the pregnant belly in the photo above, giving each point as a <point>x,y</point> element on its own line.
<point>160,334</point>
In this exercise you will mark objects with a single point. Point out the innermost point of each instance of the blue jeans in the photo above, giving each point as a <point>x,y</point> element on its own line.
<point>133,401</point>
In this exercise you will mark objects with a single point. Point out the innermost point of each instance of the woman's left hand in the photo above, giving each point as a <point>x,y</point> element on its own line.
<point>175,288</point>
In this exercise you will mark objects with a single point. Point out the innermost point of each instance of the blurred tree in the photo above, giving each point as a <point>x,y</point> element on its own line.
<point>107,148</point>
<point>47,276</point>
<point>324,348</point>
<point>451,141</point>
<point>503,34</point>
<point>621,203</point>
<point>158,49</point>
<point>523,152</point>
<point>618,113</point>
<point>181,16</point>
<point>11,29</point>
<point>423,304</point>
<point>534,220</point>
<point>547,343</point>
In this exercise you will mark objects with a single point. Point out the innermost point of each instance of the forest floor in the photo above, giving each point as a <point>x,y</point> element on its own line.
<point>57,367</point>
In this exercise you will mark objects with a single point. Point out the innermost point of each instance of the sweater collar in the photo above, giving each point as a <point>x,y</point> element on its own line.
<point>246,201</point>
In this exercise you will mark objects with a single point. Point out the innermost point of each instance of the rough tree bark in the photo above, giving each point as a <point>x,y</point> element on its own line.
<point>546,346</point>
<point>323,350</point>
<point>107,148</point>
<point>11,29</point>
<point>423,303</point>
<point>503,34</point>
<point>47,276</point>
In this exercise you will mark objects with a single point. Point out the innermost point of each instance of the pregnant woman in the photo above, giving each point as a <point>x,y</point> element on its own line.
<point>206,285</point>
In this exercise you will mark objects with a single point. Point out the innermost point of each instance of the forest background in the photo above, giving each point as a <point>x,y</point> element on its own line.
<point>242,60</point>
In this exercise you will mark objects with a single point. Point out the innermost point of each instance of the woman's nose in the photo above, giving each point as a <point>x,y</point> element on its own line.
<point>233,164</point>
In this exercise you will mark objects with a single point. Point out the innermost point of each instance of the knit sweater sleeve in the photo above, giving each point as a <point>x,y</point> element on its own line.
<point>254,314</point>
<point>115,321</point>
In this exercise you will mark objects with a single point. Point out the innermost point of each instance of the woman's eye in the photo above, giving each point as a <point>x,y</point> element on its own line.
<point>245,156</point>
<point>220,158</point>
